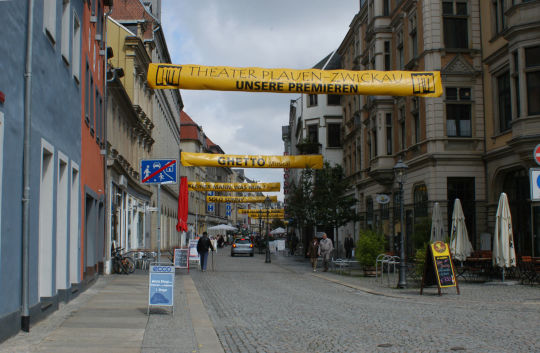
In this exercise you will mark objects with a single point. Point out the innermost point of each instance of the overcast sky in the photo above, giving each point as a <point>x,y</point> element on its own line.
<point>293,34</point>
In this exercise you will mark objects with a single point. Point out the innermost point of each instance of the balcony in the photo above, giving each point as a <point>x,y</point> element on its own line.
<point>309,147</point>
<point>382,169</point>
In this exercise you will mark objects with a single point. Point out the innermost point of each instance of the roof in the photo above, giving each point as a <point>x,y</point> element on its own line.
<point>330,62</point>
<point>189,130</point>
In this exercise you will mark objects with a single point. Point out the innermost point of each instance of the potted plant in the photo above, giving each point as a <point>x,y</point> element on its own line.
<point>370,244</point>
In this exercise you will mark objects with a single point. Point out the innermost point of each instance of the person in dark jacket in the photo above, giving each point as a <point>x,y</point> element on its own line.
<point>349,245</point>
<point>203,245</point>
<point>313,253</point>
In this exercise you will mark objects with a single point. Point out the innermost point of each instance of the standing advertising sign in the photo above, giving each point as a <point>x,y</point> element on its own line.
<point>181,258</point>
<point>438,268</point>
<point>193,253</point>
<point>161,286</point>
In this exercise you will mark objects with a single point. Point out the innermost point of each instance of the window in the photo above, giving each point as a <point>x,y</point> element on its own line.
<point>334,99</point>
<point>76,48</point>
<point>65,30</point>
<point>458,112</point>
<point>87,96</point>
<point>504,101</point>
<point>49,19</point>
<point>515,77</point>
<point>416,119</point>
<point>387,55</point>
<point>312,100</point>
<point>386,7</point>
<point>313,133</point>
<point>334,135</point>
<point>374,137</point>
<point>455,24</point>
<point>403,135</point>
<point>532,69</point>
<point>498,14</point>
<point>401,63</point>
<point>389,134</point>
<point>413,36</point>
<point>369,211</point>
<point>420,201</point>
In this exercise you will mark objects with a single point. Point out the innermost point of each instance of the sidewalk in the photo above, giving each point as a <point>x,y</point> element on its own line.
<point>490,293</point>
<point>111,317</point>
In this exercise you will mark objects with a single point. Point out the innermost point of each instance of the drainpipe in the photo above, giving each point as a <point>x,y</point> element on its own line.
<point>25,318</point>
<point>105,153</point>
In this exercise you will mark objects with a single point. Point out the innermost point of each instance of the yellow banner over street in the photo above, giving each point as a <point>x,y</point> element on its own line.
<point>233,187</point>
<point>311,81</point>
<point>238,199</point>
<point>190,159</point>
<point>260,210</point>
<point>270,215</point>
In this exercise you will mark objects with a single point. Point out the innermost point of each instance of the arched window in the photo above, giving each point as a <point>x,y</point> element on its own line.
<point>420,201</point>
<point>369,212</point>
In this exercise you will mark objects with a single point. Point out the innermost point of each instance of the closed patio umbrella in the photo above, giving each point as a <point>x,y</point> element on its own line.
<point>437,227</point>
<point>504,254</point>
<point>459,239</point>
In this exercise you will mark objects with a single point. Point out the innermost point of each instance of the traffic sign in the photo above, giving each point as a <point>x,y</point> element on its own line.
<point>536,154</point>
<point>535,183</point>
<point>210,205</point>
<point>158,171</point>
<point>228,209</point>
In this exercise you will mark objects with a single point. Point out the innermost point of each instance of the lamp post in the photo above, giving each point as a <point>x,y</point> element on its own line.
<point>267,203</point>
<point>399,171</point>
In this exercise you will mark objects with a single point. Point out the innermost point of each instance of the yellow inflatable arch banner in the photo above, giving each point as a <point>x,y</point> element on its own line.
<point>311,81</point>
<point>190,159</point>
<point>240,199</point>
<point>233,187</point>
<point>270,216</point>
<point>260,210</point>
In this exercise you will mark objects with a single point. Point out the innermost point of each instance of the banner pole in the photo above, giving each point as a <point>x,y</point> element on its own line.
<point>159,223</point>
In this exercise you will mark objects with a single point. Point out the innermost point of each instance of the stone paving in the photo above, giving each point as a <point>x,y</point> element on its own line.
<point>285,307</point>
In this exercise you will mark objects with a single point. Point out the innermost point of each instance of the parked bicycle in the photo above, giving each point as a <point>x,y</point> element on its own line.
<point>122,263</point>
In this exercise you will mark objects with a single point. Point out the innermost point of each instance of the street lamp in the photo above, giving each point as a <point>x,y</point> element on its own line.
<point>267,204</point>
<point>399,171</point>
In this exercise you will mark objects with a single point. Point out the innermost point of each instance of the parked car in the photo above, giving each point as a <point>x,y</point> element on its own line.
<point>242,246</point>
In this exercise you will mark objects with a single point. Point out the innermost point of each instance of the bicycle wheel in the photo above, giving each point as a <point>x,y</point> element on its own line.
<point>129,265</point>
<point>117,267</point>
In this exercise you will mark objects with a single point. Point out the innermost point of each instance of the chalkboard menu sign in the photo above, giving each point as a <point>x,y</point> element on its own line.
<point>181,258</point>
<point>438,268</point>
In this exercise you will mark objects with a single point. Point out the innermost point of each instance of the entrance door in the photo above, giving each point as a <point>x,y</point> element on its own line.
<point>516,186</point>
<point>464,190</point>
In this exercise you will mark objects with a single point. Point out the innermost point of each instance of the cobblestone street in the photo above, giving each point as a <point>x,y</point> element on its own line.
<point>285,307</point>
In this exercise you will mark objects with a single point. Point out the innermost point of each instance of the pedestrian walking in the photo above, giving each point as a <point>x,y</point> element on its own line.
<point>326,247</point>
<point>203,245</point>
<point>313,253</point>
<point>349,246</point>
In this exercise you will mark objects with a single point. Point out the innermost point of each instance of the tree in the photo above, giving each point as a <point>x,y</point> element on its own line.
<point>332,207</point>
<point>299,206</point>
<point>277,223</point>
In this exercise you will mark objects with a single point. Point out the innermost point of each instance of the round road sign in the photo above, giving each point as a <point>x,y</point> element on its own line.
<point>536,154</point>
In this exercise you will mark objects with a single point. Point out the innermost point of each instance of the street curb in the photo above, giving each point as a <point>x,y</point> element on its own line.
<point>363,289</point>
<point>205,333</point>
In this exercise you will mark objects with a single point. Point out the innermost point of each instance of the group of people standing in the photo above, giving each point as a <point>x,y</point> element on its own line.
<point>324,248</point>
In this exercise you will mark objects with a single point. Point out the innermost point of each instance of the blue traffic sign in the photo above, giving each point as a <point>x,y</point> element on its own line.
<point>158,171</point>
<point>228,209</point>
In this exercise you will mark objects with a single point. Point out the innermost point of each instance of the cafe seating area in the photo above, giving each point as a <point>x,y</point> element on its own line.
<point>479,267</point>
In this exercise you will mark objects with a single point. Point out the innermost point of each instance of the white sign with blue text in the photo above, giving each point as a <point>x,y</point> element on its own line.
<point>161,289</point>
<point>158,171</point>
<point>535,183</point>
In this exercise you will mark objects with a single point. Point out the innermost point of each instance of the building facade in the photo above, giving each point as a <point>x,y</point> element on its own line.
<point>41,250</point>
<point>162,107</point>
<point>440,139</point>
<point>511,71</point>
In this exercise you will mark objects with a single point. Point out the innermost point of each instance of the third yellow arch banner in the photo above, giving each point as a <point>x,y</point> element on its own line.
<point>190,159</point>
<point>239,199</point>
<point>311,81</point>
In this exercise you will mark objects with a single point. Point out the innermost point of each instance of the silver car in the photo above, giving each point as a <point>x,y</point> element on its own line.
<point>242,246</point>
